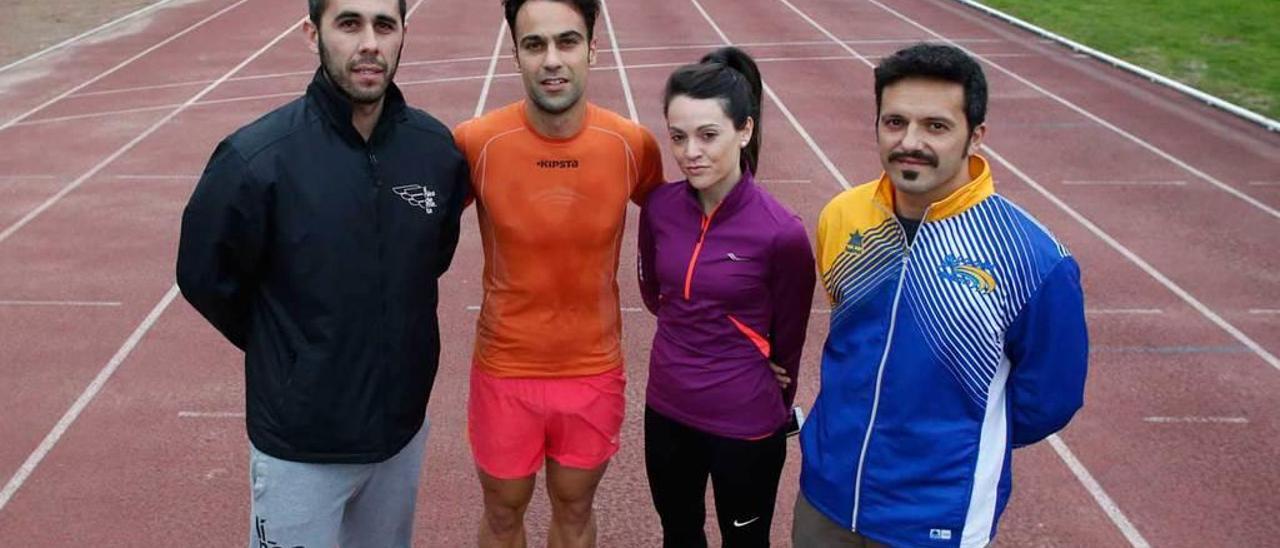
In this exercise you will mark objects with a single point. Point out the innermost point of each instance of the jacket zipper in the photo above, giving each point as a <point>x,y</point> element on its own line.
<point>884,359</point>
<point>697,250</point>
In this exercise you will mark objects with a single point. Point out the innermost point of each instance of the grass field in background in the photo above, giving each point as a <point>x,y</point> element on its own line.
<point>1228,48</point>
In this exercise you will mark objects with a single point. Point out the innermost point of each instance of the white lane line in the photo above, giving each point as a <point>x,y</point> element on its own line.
<point>61,303</point>
<point>813,146</point>
<point>473,308</point>
<point>1095,118</point>
<point>1104,236</point>
<point>270,76</point>
<point>15,482</point>
<point>98,114</point>
<point>493,67</point>
<point>1082,474</point>
<point>1142,264</point>
<point>1099,495</point>
<point>622,67</point>
<point>137,13</point>
<point>211,415</point>
<point>1264,183</point>
<point>786,181</point>
<point>1265,311</point>
<point>26,177</point>
<point>122,64</point>
<point>1196,420</point>
<point>147,133</point>
<point>1124,311</point>
<point>91,391</point>
<point>1123,183</point>
<point>158,177</point>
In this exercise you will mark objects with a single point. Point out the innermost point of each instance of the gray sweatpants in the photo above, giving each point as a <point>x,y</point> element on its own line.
<point>298,504</point>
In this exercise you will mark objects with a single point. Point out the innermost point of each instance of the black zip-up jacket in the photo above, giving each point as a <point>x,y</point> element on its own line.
<point>318,254</point>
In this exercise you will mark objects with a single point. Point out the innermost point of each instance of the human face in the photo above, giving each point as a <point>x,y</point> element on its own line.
<point>553,54</point>
<point>706,145</point>
<point>924,141</point>
<point>359,43</point>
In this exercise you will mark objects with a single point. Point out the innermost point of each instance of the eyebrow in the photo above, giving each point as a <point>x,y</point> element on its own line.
<point>381,17</point>
<point>561,36</point>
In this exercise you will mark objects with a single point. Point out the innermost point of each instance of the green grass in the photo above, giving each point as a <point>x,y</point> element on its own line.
<point>1228,48</point>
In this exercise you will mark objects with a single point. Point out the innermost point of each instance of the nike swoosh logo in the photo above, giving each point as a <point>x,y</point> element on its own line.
<point>737,523</point>
<point>733,257</point>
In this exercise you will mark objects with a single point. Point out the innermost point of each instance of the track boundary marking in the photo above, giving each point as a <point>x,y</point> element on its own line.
<point>86,34</point>
<point>1098,493</point>
<point>30,216</point>
<point>122,64</point>
<point>1094,117</point>
<point>86,397</point>
<point>493,67</point>
<point>61,303</point>
<point>622,67</point>
<point>1088,52</point>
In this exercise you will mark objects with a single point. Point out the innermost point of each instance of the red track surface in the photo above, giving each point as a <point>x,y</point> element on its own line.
<point>88,214</point>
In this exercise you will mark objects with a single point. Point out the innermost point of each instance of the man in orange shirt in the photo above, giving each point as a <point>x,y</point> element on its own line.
<point>551,176</point>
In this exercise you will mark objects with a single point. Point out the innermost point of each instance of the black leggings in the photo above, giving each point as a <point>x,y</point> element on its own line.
<point>744,478</point>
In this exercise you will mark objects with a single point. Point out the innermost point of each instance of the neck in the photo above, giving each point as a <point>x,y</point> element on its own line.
<point>712,196</point>
<point>364,116</point>
<point>557,126</point>
<point>914,206</point>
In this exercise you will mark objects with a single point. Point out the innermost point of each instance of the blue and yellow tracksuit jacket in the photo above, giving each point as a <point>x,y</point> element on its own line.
<point>942,356</point>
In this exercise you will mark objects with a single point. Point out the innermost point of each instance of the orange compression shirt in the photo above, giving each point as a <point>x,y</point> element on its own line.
<point>551,219</point>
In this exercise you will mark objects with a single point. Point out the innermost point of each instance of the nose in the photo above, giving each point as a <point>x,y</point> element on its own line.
<point>368,40</point>
<point>690,150</point>
<point>912,137</point>
<point>552,61</point>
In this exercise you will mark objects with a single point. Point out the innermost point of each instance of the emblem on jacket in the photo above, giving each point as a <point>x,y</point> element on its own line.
<point>418,196</point>
<point>975,275</point>
<point>855,243</point>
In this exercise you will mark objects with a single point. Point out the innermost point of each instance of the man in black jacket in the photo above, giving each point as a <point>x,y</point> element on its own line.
<point>314,242</point>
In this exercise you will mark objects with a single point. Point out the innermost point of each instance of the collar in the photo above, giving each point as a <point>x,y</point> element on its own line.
<point>733,201</point>
<point>979,187</point>
<point>337,108</point>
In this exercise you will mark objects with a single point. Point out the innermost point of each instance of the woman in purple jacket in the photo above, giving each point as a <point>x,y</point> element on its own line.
<point>730,275</point>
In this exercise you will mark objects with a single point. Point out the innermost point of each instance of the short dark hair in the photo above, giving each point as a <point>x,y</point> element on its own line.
<point>730,75</point>
<point>588,8</point>
<point>317,8</point>
<point>942,62</point>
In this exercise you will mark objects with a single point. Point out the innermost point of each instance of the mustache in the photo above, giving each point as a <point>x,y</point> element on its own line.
<point>915,155</point>
<point>367,61</point>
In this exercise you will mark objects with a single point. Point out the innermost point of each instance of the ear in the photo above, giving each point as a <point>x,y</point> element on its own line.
<point>975,140</point>
<point>748,130</point>
<point>313,35</point>
<point>592,51</point>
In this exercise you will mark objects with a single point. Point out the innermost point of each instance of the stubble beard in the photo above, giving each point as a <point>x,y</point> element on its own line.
<point>340,74</point>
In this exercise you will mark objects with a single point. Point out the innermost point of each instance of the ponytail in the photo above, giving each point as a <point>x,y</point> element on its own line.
<point>730,75</point>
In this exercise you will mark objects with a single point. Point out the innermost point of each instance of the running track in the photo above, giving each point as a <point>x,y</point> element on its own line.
<point>122,422</point>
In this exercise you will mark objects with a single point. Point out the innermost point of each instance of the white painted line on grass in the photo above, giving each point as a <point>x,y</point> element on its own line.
<point>622,67</point>
<point>211,415</point>
<point>86,33</point>
<point>1095,489</point>
<point>1196,420</point>
<point>1123,183</point>
<point>121,65</point>
<point>15,482</point>
<point>493,67</point>
<point>87,304</point>
<point>146,133</point>
<point>1275,213</point>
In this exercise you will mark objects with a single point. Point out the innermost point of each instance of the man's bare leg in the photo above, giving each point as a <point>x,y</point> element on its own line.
<point>572,492</point>
<point>505,502</point>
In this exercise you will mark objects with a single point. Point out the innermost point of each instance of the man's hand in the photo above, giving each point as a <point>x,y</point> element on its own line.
<point>781,374</point>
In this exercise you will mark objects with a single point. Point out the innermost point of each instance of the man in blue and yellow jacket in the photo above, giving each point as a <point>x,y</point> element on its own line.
<point>957,328</point>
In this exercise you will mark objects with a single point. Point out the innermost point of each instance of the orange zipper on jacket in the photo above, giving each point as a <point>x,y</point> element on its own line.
<point>697,250</point>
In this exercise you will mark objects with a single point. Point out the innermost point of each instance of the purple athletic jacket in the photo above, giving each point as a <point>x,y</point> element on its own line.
<point>731,291</point>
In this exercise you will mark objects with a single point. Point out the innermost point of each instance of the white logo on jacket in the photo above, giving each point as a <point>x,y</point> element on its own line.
<point>418,196</point>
